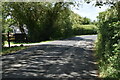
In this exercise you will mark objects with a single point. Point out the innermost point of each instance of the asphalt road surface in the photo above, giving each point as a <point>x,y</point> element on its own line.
<point>68,59</point>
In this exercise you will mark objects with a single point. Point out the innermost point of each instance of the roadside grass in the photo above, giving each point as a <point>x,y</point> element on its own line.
<point>15,43</point>
<point>12,49</point>
<point>7,50</point>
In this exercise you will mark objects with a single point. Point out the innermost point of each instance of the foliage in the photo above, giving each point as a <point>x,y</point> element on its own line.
<point>63,26</point>
<point>84,29</point>
<point>75,18</point>
<point>108,44</point>
<point>86,21</point>
<point>44,21</point>
<point>40,18</point>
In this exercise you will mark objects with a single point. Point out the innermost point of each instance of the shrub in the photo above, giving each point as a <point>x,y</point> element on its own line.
<point>84,29</point>
<point>108,44</point>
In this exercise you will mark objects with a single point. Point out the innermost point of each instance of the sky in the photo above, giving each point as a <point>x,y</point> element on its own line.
<point>89,10</point>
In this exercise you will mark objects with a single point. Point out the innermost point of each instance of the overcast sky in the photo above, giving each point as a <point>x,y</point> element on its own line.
<point>89,11</point>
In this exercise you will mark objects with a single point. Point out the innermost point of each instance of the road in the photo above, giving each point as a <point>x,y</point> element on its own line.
<point>68,59</point>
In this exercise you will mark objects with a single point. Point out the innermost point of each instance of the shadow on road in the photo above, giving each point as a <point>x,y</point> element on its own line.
<point>51,62</point>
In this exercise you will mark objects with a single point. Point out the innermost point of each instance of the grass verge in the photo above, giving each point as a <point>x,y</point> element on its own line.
<point>15,43</point>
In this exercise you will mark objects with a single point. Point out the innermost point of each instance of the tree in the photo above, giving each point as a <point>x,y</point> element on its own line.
<point>38,17</point>
<point>86,21</point>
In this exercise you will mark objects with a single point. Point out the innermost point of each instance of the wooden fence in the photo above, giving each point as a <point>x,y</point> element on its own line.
<point>15,37</point>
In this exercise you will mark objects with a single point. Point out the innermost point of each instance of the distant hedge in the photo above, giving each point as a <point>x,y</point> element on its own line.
<point>84,29</point>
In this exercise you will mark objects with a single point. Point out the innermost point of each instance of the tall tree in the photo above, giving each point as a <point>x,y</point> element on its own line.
<point>39,17</point>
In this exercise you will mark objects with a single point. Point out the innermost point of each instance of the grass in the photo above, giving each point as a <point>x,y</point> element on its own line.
<point>7,50</point>
<point>14,43</point>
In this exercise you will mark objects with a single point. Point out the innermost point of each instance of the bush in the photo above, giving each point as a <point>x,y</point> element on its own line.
<point>108,44</point>
<point>84,29</point>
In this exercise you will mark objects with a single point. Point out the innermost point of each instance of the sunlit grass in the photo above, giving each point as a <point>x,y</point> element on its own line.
<point>15,43</point>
